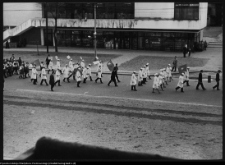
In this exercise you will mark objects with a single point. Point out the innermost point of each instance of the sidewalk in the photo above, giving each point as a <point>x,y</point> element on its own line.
<point>213,54</point>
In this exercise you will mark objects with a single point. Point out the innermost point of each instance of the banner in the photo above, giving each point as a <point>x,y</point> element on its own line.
<point>96,61</point>
<point>110,65</point>
<point>36,62</point>
<point>182,68</point>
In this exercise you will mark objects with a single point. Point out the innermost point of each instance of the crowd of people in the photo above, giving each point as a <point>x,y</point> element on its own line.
<point>82,72</point>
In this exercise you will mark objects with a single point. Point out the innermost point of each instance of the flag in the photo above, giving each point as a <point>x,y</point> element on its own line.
<point>182,68</point>
<point>36,62</point>
<point>110,65</point>
<point>96,61</point>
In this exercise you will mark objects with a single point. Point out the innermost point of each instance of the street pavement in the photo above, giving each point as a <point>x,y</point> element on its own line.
<point>208,97</point>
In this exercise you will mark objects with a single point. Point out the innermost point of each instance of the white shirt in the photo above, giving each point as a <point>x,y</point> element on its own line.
<point>155,82</point>
<point>34,73</point>
<point>66,72</point>
<point>43,74</point>
<point>78,76</point>
<point>133,80</point>
<point>57,75</point>
<point>140,75</point>
<point>180,82</point>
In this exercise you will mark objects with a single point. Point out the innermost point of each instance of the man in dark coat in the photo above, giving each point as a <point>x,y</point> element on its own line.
<point>200,81</point>
<point>174,64</point>
<point>20,61</point>
<point>52,80</point>
<point>113,77</point>
<point>7,45</point>
<point>217,80</point>
<point>185,50</point>
<point>47,60</point>
<point>116,72</point>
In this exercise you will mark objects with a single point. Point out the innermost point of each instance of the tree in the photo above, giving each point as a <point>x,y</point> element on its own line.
<point>55,8</point>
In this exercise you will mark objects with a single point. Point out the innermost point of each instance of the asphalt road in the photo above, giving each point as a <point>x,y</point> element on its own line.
<point>190,95</point>
<point>181,125</point>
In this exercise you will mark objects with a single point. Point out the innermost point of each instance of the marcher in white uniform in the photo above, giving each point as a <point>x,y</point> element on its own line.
<point>50,66</point>
<point>43,76</point>
<point>41,66</point>
<point>140,78</point>
<point>66,73</point>
<point>148,71</point>
<point>99,74</point>
<point>82,64</point>
<point>144,74</point>
<point>84,74</point>
<point>78,77</point>
<point>180,83</point>
<point>89,72</point>
<point>58,64</point>
<point>186,76</point>
<point>165,75</point>
<point>160,80</point>
<point>133,81</point>
<point>155,85</point>
<point>34,74</point>
<point>161,75</point>
<point>57,77</point>
<point>169,74</point>
<point>71,63</point>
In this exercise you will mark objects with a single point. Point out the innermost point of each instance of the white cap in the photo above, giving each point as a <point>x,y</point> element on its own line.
<point>182,73</point>
<point>188,67</point>
<point>169,64</point>
<point>147,63</point>
<point>155,74</point>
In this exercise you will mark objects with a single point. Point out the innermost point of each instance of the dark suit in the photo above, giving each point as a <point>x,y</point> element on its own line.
<point>116,68</point>
<point>200,82</point>
<point>113,77</point>
<point>217,81</point>
<point>52,81</point>
<point>184,51</point>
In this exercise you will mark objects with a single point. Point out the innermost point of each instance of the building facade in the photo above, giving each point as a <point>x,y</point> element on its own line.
<point>140,26</point>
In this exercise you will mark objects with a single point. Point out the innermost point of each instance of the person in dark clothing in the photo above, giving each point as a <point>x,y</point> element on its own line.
<point>26,70</point>
<point>189,51</point>
<point>113,77</point>
<point>52,80</point>
<point>7,45</point>
<point>47,60</point>
<point>174,64</point>
<point>200,81</point>
<point>20,61</point>
<point>116,73</point>
<point>217,80</point>
<point>205,45</point>
<point>185,50</point>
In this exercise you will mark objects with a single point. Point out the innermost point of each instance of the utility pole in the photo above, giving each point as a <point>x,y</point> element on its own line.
<point>95,28</point>
<point>46,12</point>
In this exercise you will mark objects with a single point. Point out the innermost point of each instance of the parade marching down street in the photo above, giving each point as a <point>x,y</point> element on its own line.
<point>81,72</point>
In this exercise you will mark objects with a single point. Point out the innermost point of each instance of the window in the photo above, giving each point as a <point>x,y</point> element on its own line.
<point>186,11</point>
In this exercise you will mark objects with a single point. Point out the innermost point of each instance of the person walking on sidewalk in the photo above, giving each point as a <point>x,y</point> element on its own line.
<point>186,76</point>
<point>200,81</point>
<point>155,85</point>
<point>52,80</point>
<point>180,83</point>
<point>174,64</point>
<point>47,60</point>
<point>50,65</point>
<point>133,81</point>
<point>217,80</point>
<point>113,77</point>
<point>117,72</point>
<point>66,73</point>
<point>185,50</point>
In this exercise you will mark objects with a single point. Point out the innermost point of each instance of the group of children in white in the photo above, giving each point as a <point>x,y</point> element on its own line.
<point>81,72</point>
<point>78,70</point>
<point>160,79</point>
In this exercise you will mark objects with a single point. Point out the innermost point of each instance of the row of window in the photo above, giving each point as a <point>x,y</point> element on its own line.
<point>126,40</point>
<point>182,11</point>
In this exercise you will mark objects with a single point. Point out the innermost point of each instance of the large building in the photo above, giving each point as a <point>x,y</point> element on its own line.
<point>141,26</point>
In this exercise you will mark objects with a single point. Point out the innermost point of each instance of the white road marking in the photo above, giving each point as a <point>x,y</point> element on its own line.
<point>113,97</point>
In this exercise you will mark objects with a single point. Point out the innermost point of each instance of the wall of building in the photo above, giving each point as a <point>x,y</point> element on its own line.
<point>16,13</point>
<point>161,16</point>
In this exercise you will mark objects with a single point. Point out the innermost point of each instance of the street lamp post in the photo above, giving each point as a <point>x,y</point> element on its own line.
<point>95,28</point>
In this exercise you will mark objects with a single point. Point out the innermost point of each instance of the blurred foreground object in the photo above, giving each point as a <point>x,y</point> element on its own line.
<point>52,149</point>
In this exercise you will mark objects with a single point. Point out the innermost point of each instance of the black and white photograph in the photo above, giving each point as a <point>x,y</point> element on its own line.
<point>112,81</point>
